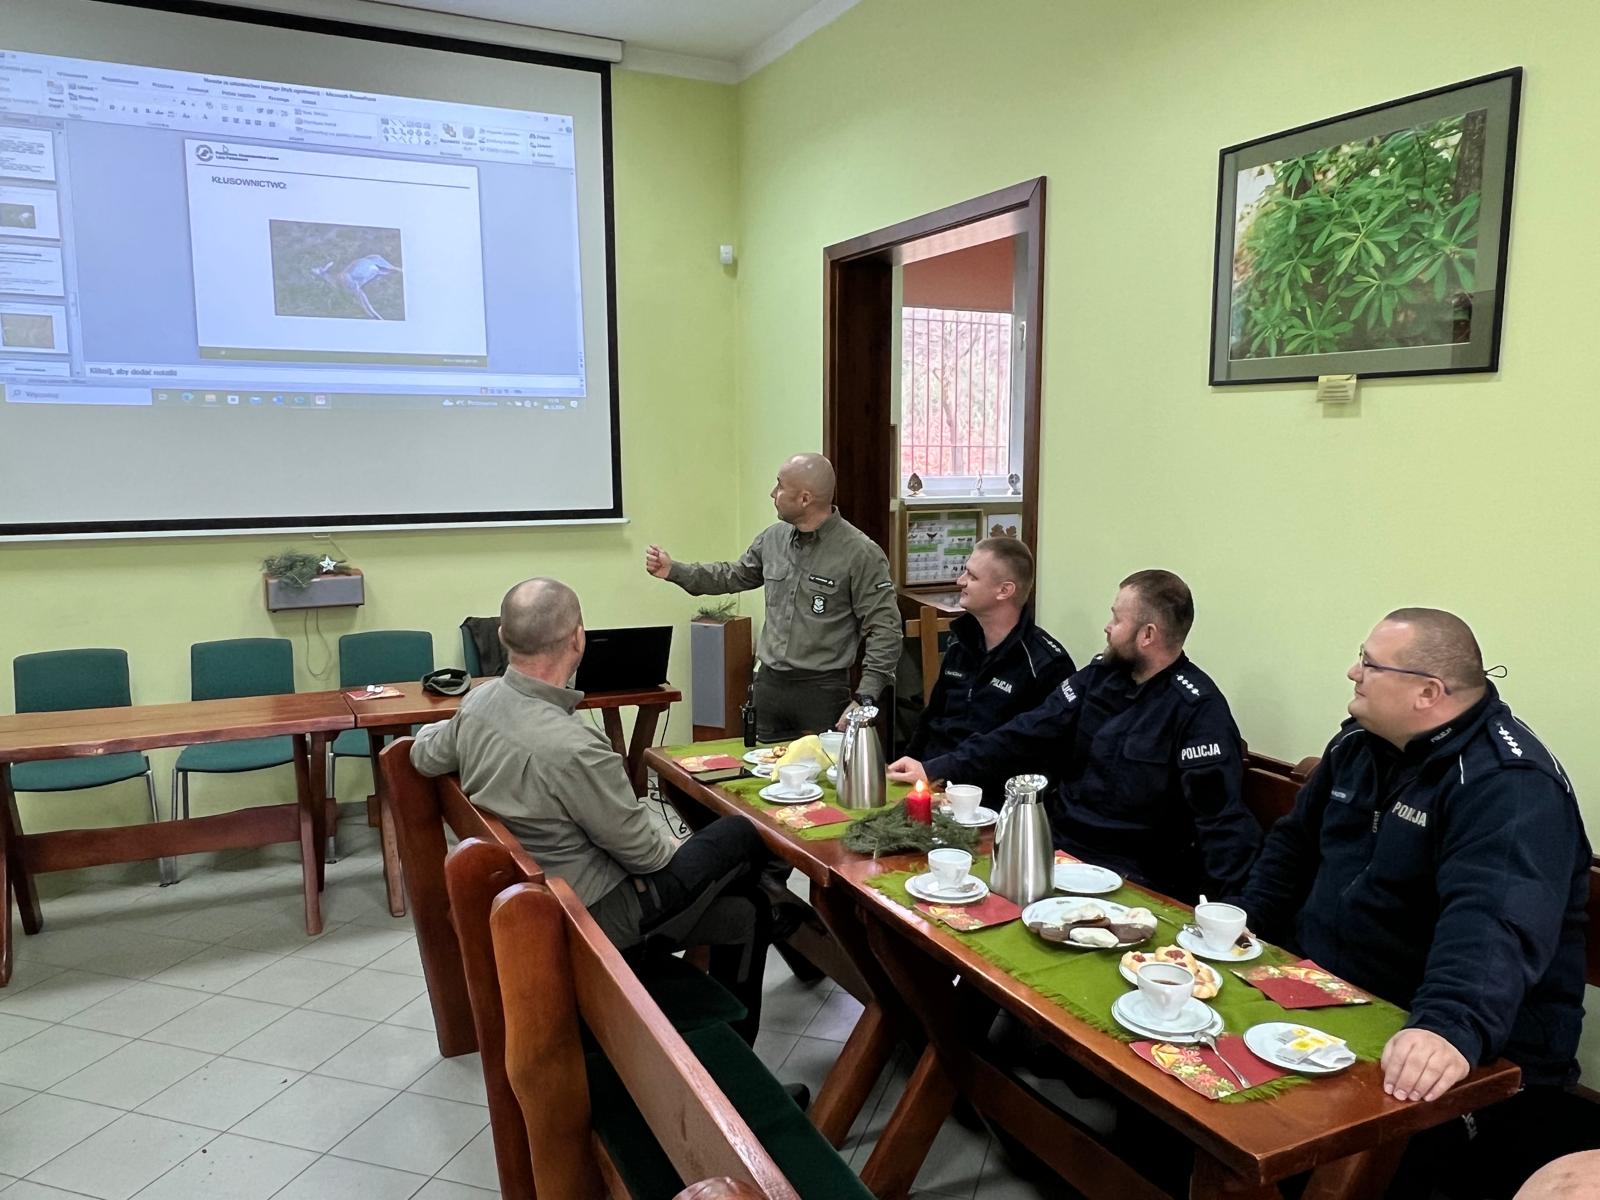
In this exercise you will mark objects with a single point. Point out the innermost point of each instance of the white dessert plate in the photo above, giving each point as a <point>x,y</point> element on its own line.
<point>1222,976</point>
<point>1085,879</point>
<point>779,794</point>
<point>926,887</point>
<point>1047,910</point>
<point>1263,1041</point>
<point>766,756</point>
<point>1191,941</point>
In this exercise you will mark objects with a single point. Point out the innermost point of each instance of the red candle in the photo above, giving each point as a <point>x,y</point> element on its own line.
<point>919,803</point>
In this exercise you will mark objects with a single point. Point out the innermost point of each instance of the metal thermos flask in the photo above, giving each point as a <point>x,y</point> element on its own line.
<point>1023,851</point>
<point>861,776</point>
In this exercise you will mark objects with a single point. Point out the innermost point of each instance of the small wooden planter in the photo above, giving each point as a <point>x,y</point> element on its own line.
<point>325,591</point>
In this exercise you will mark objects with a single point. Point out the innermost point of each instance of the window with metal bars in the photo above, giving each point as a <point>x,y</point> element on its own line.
<point>955,400</point>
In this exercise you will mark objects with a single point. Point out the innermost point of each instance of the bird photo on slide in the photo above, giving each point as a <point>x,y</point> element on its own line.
<point>350,272</point>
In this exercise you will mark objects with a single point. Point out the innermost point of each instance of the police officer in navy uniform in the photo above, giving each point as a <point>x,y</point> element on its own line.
<point>1142,749</point>
<point>999,664</point>
<point>1437,858</point>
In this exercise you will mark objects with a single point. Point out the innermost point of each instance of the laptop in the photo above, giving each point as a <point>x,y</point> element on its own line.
<point>625,660</point>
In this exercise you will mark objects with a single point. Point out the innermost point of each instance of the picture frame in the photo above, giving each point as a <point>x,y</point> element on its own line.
<point>1372,243</point>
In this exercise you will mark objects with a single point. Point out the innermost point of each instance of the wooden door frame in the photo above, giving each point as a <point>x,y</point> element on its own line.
<point>857,298</point>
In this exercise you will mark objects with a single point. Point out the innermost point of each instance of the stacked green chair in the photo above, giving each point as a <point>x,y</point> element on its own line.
<point>64,680</point>
<point>379,656</point>
<point>226,670</point>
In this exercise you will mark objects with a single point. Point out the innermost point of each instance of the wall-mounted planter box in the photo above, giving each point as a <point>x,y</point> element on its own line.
<point>326,591</point>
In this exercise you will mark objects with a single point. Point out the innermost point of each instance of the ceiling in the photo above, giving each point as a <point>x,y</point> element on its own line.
<point>738,36</point>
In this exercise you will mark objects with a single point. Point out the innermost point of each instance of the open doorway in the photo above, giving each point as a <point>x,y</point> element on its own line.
<point>931,395</point>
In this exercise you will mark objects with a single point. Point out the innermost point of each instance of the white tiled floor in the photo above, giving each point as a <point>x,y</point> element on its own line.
<point>191,1043</point>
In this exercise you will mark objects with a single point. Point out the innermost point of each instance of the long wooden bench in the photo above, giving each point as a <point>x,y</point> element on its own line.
<point>642,1106</point>
<point>458,956</point>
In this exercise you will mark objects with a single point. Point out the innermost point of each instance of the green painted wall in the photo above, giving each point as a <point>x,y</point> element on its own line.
<point>675,164</point>
<point>1296,528</point>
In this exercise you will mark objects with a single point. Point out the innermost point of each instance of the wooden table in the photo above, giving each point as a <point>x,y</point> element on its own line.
<point>29,737</point>
<point>1340,1128</point>
<point>393,716</point>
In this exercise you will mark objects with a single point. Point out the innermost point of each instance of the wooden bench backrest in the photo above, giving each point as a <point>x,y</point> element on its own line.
<point>557,965</point>
<point>1270,785</point>
<point>453,937</point>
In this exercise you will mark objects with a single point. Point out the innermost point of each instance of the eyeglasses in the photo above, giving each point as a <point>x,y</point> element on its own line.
<point>1366,664</point>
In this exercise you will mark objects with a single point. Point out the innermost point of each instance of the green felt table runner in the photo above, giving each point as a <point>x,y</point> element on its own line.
<point>1087,982</point>
<point>749,790</point>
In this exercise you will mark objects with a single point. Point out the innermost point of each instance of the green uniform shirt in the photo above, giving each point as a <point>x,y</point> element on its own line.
<point>825,591</point>
<point>526,756</point>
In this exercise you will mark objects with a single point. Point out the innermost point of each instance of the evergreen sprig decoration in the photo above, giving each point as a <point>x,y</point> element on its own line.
<point>297,570</point>
<point>893,832</point>
<point>721,614</point>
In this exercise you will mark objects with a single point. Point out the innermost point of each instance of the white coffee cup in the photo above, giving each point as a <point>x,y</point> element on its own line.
<point>964,800</point>
<point>832,743</point>
<point>949,866</point>
<point>1220,925</point>
<point>1166,988</point>
<point>796,776</point>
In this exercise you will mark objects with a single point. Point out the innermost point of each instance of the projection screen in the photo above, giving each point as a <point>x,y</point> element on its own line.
<point>261,272</point>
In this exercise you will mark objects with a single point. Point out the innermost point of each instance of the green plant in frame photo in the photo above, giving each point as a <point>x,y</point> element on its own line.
<point>1361,246</point>
<point>1371,244</point>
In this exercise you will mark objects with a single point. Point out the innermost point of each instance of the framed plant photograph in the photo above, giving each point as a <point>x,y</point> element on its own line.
<point>1370,244</point>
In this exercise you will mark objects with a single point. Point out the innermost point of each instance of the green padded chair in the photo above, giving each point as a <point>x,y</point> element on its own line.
<point>224,671</point>
<point>380,656</point>
<point>63,680</point>
<point>469,654</point>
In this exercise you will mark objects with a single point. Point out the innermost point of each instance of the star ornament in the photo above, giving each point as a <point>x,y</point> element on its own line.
<point>328,565</point>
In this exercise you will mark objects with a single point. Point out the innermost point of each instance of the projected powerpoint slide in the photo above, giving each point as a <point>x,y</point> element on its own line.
<point>30,270</point>
<point>27,153</point>
<point>33,329</point>
<point>307,256</point>
<point>29,213</point>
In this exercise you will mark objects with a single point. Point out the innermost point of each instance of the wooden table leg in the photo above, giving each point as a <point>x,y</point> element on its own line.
<point>21,878</point>
<point>1365,1173</point>
<point>310,849</point>
<point>871,1043</point>
<point>644,735</point>
<point>612,720</point>
<point>317,770</point>
<point>7,803</point>
<point>893,1165</point>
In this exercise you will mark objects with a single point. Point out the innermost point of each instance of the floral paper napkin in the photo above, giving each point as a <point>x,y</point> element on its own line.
<point>1302,984</point>
<point>808,816</point>
<point>993,909</point>
<point>1201,1070</point>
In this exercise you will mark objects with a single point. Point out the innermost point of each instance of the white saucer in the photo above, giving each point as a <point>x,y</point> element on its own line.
<point>762,772</point>
<point>981,819</point>
<point>778,794</point>
<point>924,887</point>
<point>1195,945</point>
<point>760,758</point>
<point>1121,1016</point>
<point>1085,879</point>
<point>1262,1041</point>
<point>1194,1016</point>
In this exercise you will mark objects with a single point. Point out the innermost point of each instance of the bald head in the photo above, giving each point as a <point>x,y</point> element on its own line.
<point>812,473</point>
<point>1441,644</point>
<point>804,492</point>
<point>538,617</point>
